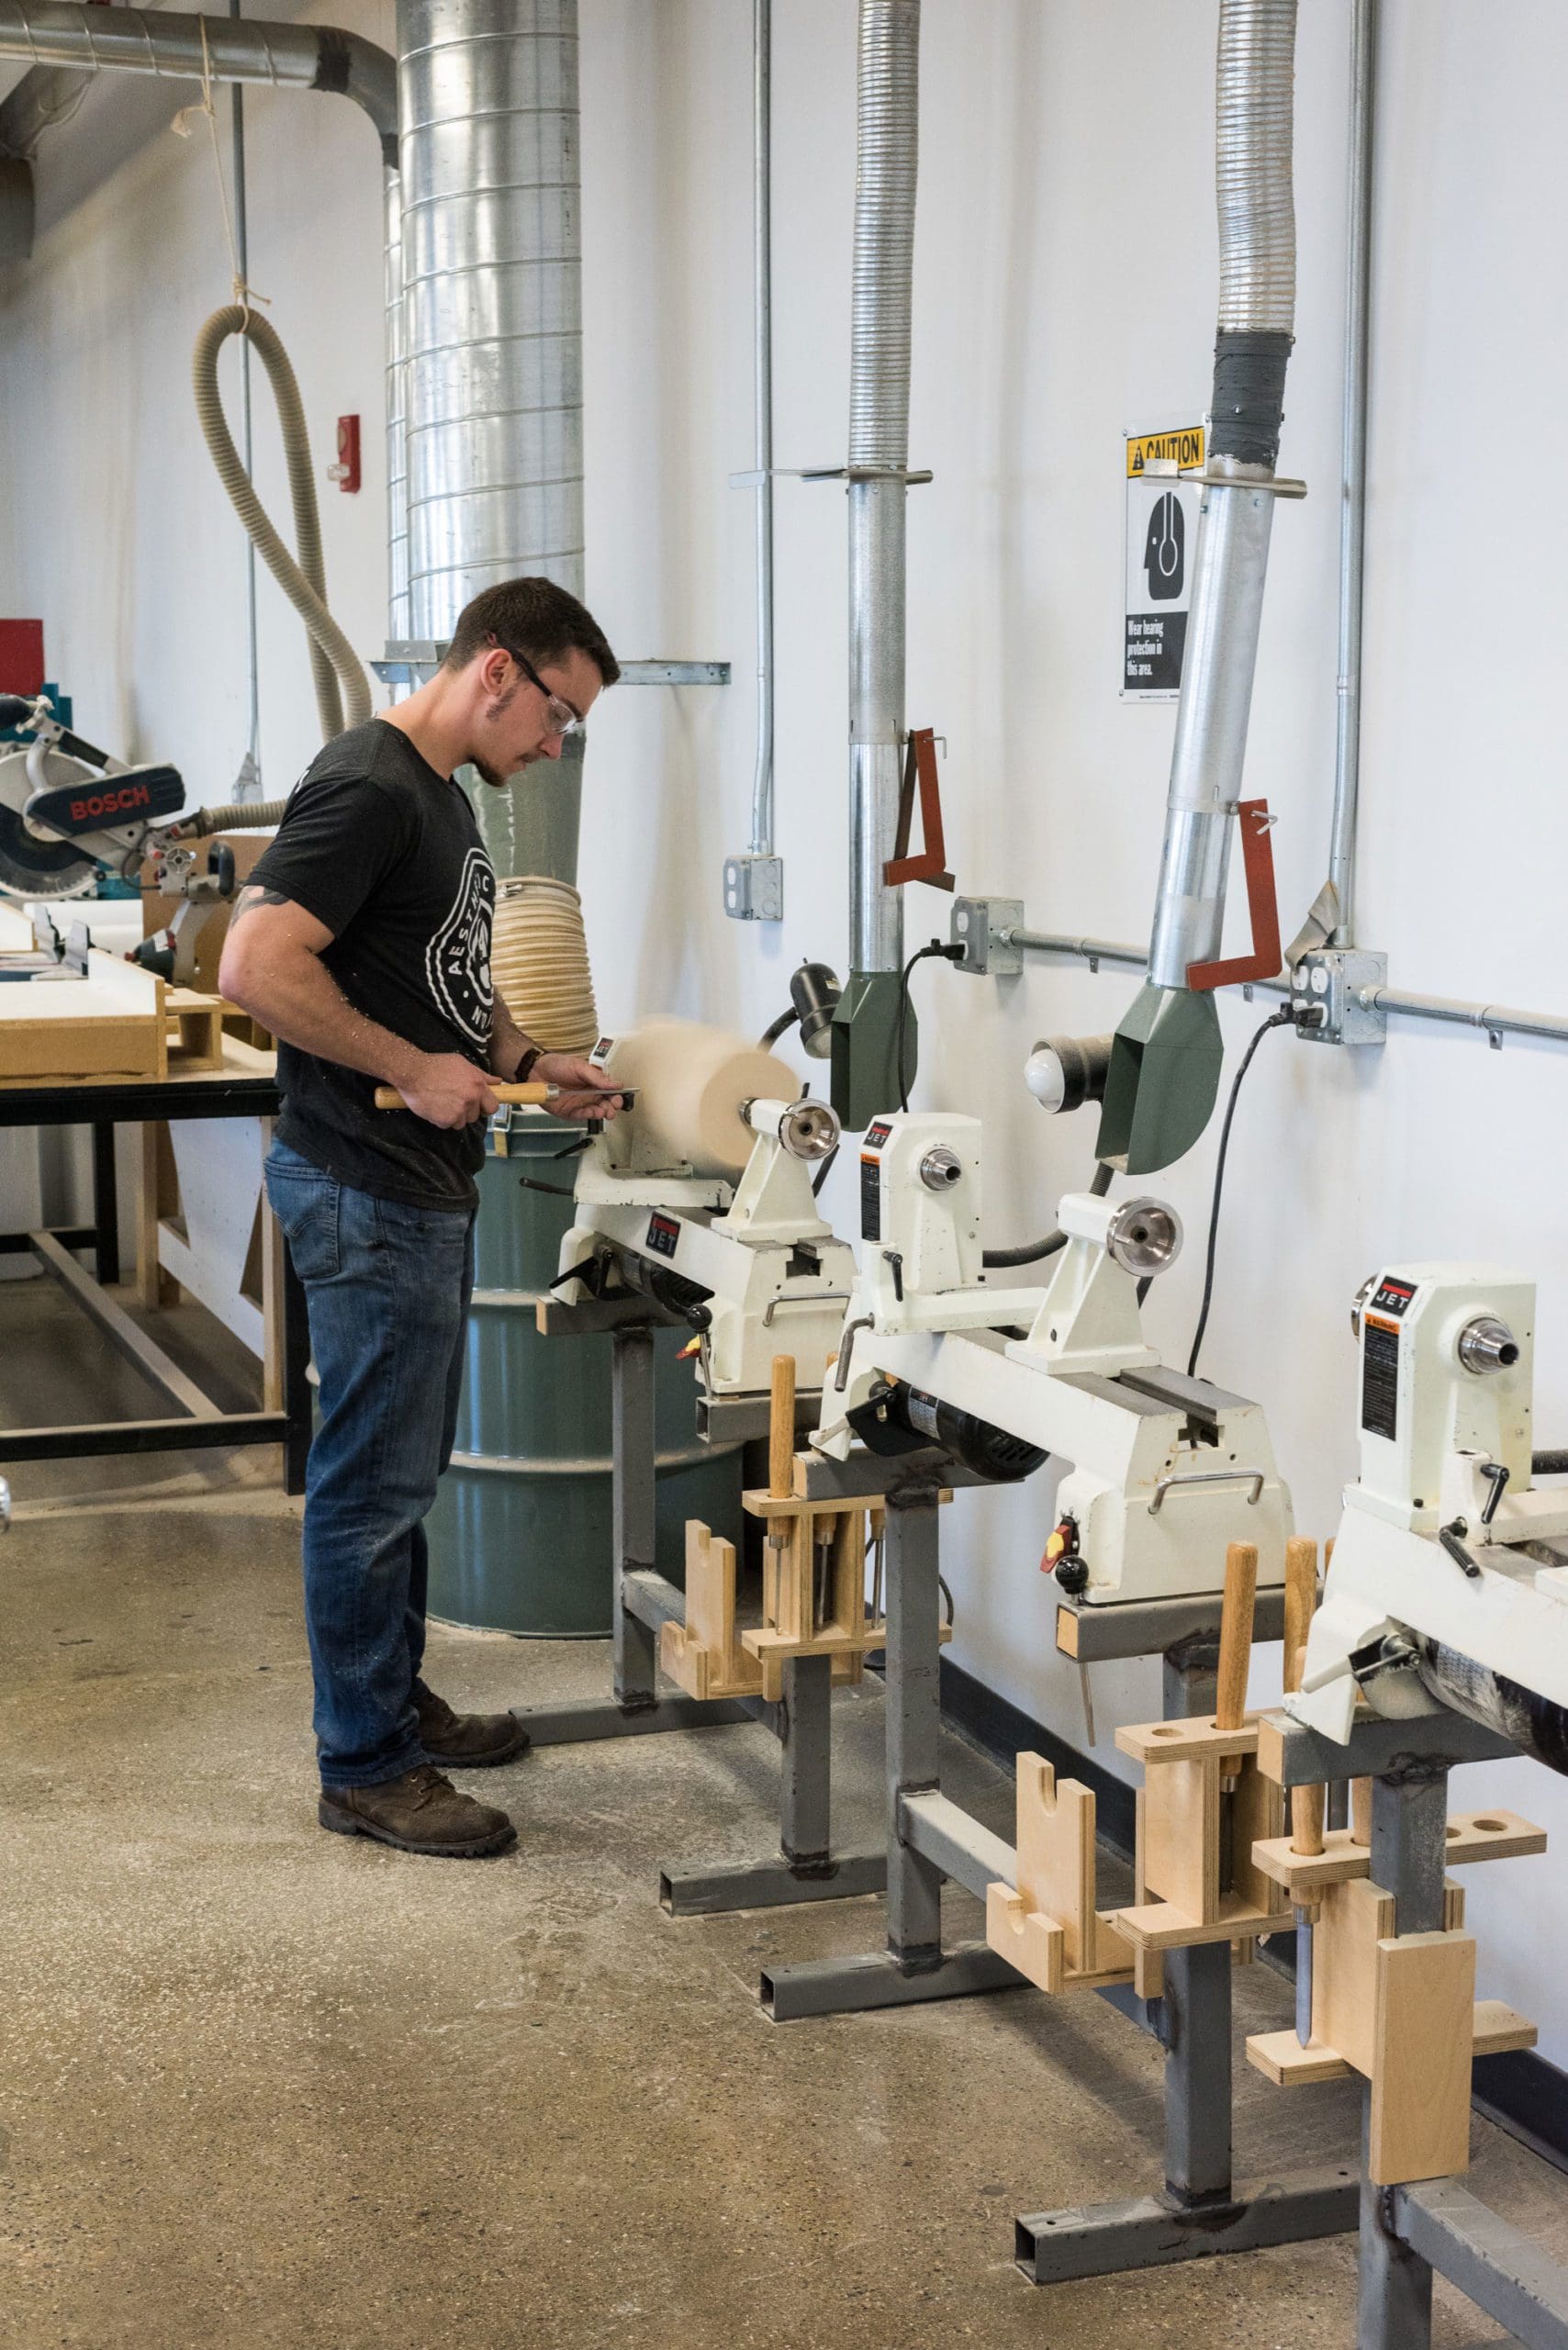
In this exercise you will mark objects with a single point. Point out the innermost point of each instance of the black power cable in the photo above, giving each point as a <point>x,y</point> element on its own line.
<point>1029,1252</point>
<point>947,953</point>
<point>1285,1018</point>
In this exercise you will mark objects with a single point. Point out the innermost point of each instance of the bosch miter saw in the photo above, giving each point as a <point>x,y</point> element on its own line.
<point>72,815</point>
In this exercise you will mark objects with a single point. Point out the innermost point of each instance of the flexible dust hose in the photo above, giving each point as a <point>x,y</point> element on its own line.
<point>234,816</point>
<point>333,660</point>
<point>1254,106</point>
<point>886,174</point>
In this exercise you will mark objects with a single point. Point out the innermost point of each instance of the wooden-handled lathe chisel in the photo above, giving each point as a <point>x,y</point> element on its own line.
<point>519,1097</point>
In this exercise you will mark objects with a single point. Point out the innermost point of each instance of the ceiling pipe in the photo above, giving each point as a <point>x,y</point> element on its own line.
<point>1165,1068</point>
<point>131,40</point>
<point>79,41</point>
<point>865,1025</point>
<point>492,322</point>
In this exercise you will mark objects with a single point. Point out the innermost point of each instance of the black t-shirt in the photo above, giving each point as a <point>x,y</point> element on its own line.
<point>386,853</point>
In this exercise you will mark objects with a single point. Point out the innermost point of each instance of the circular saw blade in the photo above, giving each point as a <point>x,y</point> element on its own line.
<point>31,868</point>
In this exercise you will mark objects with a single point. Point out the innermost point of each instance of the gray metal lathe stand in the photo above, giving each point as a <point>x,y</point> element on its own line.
<point>805,1867</point>
<point>931,1838</point>
<point>1406,2232</point>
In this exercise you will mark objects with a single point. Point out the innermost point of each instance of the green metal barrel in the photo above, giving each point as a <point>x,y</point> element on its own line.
<point>520,1538</point>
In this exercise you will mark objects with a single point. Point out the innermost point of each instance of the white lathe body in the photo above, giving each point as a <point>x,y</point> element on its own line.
<point>752,1253</point>
<point>1444,1541</point>
<point>1166,1472</point>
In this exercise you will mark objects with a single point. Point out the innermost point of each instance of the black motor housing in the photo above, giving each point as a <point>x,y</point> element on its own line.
<point>905,1419</point>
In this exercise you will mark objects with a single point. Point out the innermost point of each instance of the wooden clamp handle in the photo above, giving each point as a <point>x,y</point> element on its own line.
<point>519,1097</point>
<point>1236,1641</point>
<point>781,1429</point>
<point>1301,1600</point>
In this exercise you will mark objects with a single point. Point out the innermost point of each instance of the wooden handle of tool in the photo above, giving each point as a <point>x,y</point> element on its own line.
<point>1235,1633</point>
<point>519,1097</point>
<point>1301,1600</point>
<point>1360,1811</point>
<point>781,1429</point>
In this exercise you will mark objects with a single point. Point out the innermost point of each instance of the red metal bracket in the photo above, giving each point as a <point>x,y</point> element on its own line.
<point>1262,905</point>
<point>920,765</point>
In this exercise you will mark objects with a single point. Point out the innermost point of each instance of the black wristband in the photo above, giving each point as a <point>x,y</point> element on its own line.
<point>531,1054</point>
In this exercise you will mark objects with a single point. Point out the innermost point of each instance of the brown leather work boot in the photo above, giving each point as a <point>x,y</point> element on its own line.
<point>465,1742</point>
<point>421,1812</point>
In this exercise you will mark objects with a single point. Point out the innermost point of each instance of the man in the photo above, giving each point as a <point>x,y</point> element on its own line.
<point>362,943</point>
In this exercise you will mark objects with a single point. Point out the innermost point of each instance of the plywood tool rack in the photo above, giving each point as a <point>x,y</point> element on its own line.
<point>813,1581</point>
<point>1400,2009</point>
<point>1397,1993</point>
<point>1048,1926</point>
<point>1203,1807</point>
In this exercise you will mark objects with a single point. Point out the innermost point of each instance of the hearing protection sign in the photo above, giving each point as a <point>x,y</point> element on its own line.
<point>1163,527</point>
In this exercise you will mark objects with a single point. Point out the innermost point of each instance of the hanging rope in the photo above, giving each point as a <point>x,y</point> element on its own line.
<point>242,293</point>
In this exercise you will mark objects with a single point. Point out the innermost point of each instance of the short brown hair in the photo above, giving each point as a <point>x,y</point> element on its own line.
<point>537,616</point>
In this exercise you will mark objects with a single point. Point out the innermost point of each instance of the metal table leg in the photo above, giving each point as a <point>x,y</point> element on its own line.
<point>805,1867</point>
<point>914,1966</point>
<point>1199,2213</point>
<point>105,1205</point>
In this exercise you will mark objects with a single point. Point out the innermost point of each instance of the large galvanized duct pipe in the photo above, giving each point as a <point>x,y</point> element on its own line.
<point>492,323</point>
<point>887,161</point>
<point>1170,1050</point>
<point>85,40</point>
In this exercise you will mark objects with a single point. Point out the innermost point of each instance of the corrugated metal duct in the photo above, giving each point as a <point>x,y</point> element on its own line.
<point>492,267</point>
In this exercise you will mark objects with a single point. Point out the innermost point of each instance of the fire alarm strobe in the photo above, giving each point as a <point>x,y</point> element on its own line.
<point>345,473</point>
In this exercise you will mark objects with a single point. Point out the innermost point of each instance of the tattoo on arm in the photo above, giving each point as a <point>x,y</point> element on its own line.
<point>250,899</point>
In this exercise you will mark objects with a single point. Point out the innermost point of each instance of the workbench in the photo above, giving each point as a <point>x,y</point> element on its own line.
<point>243,1086</point>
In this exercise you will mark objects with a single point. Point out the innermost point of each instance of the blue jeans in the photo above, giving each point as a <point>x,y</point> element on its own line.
<point>387,1288</point>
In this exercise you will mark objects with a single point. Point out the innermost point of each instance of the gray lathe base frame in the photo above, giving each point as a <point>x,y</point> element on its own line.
<point>805,1867</point>
<point>930,1838</point>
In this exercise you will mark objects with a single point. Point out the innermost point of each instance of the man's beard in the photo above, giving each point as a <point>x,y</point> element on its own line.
<point>493,776</point>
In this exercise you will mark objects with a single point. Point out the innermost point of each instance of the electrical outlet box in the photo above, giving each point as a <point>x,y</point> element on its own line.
<point>1335,979</point>
<point>753,889</point>
<point>977,927</point>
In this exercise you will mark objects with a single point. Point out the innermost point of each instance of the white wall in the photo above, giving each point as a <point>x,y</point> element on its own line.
<point>1065,288</point>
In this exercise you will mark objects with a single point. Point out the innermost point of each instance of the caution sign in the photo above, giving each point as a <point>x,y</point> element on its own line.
<point>1182,446</point>
<point>1162,528</point>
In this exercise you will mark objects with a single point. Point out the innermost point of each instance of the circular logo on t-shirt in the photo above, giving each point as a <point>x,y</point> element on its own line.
<point>457,961</point>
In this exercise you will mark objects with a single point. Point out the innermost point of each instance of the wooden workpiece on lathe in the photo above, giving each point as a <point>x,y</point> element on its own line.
<point>690,1082</point>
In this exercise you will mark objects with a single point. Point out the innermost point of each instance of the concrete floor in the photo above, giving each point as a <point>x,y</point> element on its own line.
<point>261,2085</point>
